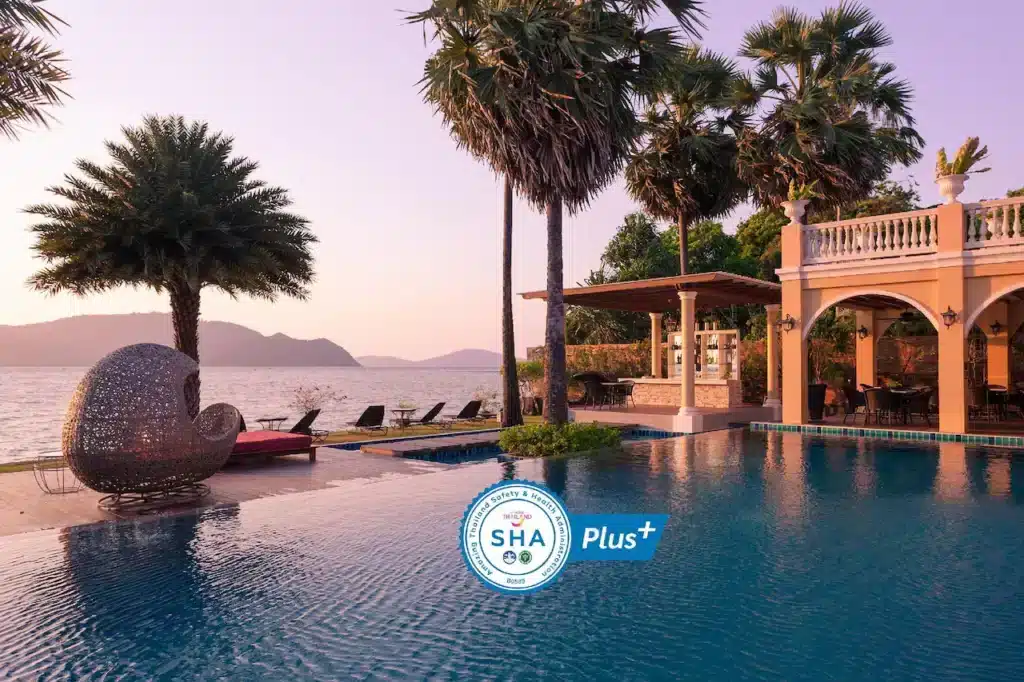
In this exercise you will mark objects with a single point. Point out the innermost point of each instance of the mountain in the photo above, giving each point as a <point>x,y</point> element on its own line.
<point>467,358</point>
<point>81,341</point>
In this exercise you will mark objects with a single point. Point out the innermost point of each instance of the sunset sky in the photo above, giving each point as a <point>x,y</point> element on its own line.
<point>324,95</point>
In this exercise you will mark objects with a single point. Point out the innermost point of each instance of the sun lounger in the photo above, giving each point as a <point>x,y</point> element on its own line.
<point>471,412</point>
<point>372,419</point>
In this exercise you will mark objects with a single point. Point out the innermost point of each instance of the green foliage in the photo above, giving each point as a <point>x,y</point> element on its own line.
<point>30,70</point>
<point>544,91</point>
<point>530,370</point>
<point>803,191</point>
<point>632,361</point>
<point>759,238</point>
<point>754,373</point>
<point>173,210</point>
<point>685,169</point>
<point>543,440</point>
<point>1015,193</point>
<point>887,197</point>
<point>829,109</point>
<point>966,158</point>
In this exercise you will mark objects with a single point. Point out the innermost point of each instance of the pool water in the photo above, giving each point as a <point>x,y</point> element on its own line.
<point>785,558</point>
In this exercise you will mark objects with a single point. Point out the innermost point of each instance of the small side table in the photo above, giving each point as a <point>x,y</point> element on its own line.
<point>272,423</point>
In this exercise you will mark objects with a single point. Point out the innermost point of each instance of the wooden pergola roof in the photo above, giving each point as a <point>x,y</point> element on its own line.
<point>714,290</point>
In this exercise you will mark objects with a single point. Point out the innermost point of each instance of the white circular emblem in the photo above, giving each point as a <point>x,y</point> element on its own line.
<point>516,536</point>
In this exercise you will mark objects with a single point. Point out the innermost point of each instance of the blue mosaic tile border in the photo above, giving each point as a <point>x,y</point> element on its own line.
<point>463,454</point>
<point>892,434</point>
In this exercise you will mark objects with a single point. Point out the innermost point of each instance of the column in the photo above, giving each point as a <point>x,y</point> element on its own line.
<point>687,329</point>
<point>952,339</point>
<point>867,349</point>
<point>794,356</point>
<point>771,396</point>
<point>794,345</point>
<point>998,345</point>
<point>656,345</point>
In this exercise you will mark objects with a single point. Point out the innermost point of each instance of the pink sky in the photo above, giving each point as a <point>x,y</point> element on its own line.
<point>323,94</point>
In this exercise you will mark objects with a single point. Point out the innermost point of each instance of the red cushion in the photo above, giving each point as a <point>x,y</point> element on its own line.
<point>270,441</point>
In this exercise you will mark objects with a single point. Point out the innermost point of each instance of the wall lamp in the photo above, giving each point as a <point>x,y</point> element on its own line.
<point>863,332</point>
<point>996,328</point>
<point>949,317</point>
<point>787,323</point>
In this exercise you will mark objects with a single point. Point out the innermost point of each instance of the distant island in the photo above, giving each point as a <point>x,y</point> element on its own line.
<point>468,358</point>
<point>81,341</point>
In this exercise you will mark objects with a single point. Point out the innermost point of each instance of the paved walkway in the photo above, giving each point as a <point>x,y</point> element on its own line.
<point>24,507</point>
<point>420,447</point>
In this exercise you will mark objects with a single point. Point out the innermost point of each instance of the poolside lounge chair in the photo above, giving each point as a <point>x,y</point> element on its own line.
<point>428,418</point>
<point>470,412</point>
<point>372,419</point>
<point>303,425</point>
<point>267,444</point>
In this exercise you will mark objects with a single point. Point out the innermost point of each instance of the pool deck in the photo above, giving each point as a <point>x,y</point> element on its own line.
<point>24,507</point>
<point>422,447</point>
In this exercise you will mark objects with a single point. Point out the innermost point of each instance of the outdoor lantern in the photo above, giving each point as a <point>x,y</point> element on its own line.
<point>996,328</point>
<point>863,332</point>
<point>787,323</point>
<point>948,317</point>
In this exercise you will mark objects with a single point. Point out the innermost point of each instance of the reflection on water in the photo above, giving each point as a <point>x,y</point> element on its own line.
<point>784,558</point>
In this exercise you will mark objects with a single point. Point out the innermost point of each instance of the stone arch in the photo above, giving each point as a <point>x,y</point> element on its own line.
<point>969,322</point>
<point>923,309</point>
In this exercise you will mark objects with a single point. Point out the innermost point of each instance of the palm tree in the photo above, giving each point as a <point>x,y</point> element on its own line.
<point>548,87</point>
<point>173,212</point>
<point>831,111</point>
<point>686,169</point>
<point>30,70</point>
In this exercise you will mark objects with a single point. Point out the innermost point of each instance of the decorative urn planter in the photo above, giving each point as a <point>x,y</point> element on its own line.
<point>795,210</point>
<point>951,186</point>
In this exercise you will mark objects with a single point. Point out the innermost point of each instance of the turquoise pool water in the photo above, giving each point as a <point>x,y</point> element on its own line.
<point>785,558</point>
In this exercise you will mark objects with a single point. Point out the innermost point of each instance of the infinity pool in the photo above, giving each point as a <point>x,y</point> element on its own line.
<point>785,558</point>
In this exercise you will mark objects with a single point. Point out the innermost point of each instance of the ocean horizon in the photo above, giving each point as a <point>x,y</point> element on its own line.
<point>33,400</point>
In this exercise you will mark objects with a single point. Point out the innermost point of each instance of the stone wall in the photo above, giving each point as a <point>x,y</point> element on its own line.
<point>729,394</point>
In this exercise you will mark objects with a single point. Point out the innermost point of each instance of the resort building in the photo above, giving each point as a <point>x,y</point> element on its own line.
<point>960,265</point>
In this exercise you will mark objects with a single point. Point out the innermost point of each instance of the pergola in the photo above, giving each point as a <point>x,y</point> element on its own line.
<point>705,290</point>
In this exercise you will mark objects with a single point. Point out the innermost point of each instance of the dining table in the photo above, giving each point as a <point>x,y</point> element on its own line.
<point>403,416</point>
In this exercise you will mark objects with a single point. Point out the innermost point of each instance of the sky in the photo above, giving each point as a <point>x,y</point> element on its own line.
<point>323,94</point>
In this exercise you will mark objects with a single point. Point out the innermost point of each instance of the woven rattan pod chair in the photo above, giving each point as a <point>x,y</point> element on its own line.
<point>128,433</point>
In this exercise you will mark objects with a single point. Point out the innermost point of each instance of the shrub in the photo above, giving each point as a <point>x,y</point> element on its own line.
<point>541,440</point>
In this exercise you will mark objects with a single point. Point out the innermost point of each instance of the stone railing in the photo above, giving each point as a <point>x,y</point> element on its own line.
<point>994,223</point>
<point>885,236</point>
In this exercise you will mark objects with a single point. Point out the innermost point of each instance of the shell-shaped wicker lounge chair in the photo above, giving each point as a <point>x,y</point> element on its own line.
<point>128,431</point>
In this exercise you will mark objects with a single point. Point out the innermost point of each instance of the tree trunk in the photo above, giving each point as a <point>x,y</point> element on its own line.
<point>511,409</point>
<point>185,316</point>
<point>556,403</point>
<point>684,245</point>
<point>839,212</point>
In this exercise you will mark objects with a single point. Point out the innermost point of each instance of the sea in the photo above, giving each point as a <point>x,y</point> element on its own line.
<point>34,400</point>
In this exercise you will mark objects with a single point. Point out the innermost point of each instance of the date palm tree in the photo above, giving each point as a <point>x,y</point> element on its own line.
<point>549,87</point>
<point>30,70</point>
<point>686,169</point>
<point>174,212</point>
<point>831,111</point>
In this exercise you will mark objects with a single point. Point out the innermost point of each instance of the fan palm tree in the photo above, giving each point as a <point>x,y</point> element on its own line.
<point>30,70</point>
<point>549,87</point>
<point>831,111</point>
<point>686,169</point>
<point>174,212</point>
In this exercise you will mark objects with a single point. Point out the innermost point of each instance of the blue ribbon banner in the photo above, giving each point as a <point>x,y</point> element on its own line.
<point>615,537</point>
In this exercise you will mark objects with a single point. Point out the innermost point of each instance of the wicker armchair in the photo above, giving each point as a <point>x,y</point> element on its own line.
<point>128,432</point>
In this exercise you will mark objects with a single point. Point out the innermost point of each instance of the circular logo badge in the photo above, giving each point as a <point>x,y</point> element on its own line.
<point>517,520</point>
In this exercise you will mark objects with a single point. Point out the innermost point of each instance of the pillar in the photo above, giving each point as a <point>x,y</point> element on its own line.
<point>998,345</point>
<point>687,329</point>
<point>771,348</point>
<point>952,339</point>
<point>867,349</point>
<point>794,345</point>
<point>656,345</point>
